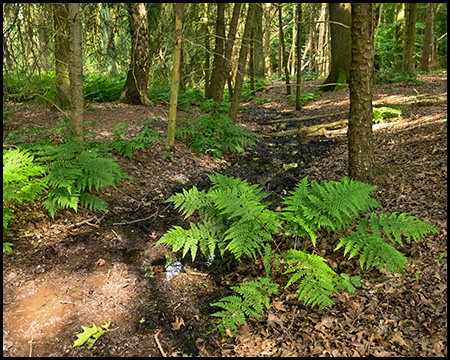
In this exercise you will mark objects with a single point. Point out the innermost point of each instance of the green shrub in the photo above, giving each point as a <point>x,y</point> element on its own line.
<point>383,114</point>
<point>214,133</point>
<point>235,219</point>
<point>304,97</point>
<point>101,88</point>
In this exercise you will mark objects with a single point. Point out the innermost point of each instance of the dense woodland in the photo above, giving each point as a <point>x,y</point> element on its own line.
<point>219,179</point>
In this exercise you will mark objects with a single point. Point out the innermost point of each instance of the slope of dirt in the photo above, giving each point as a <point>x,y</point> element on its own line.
<point>85,267</point>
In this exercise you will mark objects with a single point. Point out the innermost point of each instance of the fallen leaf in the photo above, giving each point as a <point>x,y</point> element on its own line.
<point>178,322</point>
<point>101,262</point>
<point>397,337</point>
<point>278,305</point>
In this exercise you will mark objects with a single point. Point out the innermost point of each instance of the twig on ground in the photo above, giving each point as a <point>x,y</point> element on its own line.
<point>138,220</point>
<point>159,345</point>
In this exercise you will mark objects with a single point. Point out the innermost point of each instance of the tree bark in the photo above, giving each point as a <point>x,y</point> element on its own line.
<point>76,72</point>
<point>135,88</point>
<point>298,98</point>
<point>242,63</point>
<point>171,121</point>
<point>427,40</point>
<point>340,20</point>
<point>258,49</point>
<point>219,54</point>
<point>283,50</point>
<point>360,136</point>
<point>408,50</point>
<point>61,24</point>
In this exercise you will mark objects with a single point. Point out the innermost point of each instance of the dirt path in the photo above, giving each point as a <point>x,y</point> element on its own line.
<point>70,272</point>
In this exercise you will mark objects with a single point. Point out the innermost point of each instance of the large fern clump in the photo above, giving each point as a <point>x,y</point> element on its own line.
<point>73,172</point>
<point>234,219</point>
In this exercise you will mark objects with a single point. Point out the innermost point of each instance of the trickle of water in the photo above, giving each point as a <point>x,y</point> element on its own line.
<point>173,270</point>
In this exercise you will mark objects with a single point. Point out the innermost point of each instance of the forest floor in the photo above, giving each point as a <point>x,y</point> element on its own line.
<point>88,267</point>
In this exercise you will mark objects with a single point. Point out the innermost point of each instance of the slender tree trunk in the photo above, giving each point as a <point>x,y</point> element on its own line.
<point>408,50</point>
<point>321,40</point>
<point>283,50</point>
<point>258,49</point>
<point>340,20</point>
<point>242,62</point>
<point>427,41</point>
<point>252,62</point>
<point>298,98</point>
<point>268,69</point>
<point>76,72</point>
<point>135,88</point>
<point>226,68</point>
<point>292,53</point>
<point>399,16</point>
<point>62,93</point>
<point>360,136</point>
<point>171,121</point>
<point>219,53</point>
<point>207,49</point>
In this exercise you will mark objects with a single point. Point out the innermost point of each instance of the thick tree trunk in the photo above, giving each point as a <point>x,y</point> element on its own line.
<point>76,72</point>
<point>135,88</point>
<point>171,121</point>
<point>360,136</point>
<point>340,20</point>
<point>242,62</point>
<point>62,93</point>
<point>258,49</point>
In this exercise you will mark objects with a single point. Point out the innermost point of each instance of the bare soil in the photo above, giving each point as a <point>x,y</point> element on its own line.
<point>90,267</point>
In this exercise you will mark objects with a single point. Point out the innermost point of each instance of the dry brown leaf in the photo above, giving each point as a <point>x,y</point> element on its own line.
<point>101,262</point>
<point>278,305</point>
<point>397,337</point>
<point>178,323</point>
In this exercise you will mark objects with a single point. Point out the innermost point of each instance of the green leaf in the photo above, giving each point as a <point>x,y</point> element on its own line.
<point>95,332</point>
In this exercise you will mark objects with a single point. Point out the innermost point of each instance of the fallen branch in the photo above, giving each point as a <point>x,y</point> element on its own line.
<point>308,130</point>
<point>306,118</point>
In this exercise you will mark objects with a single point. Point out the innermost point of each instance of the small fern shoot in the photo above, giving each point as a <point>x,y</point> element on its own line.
<point>254,297</point>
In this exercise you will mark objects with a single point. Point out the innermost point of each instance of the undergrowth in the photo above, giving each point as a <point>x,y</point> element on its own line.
<point>236,221</point>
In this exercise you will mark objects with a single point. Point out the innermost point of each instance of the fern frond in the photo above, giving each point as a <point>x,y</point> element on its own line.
<point>396,225</point>
<point>332,205</point>
<point>93,202</point>
<point>373,250</point>
<point>254,296</point>
<point>317,280</point>
<point>204,235</point>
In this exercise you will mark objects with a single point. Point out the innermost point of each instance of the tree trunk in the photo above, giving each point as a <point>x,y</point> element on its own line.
<point>219,53</point>
<point>267,20</point>
<point>76,72</point>
<point>283,50</point>
<point>340,20</point>
<point>408,50</point>
<point>360,136</point>
<point>62,93</point>
<point>427,41</point>
<point>171,121</point>
<point>242,62</point>
<point>258,49</point>
<point>292,53</point>
<point>135,88</point>
<point>207,48</point>
<point>109,45</point>
<point>320,43</point>
<point>298,98</point>
<point>226,69</point>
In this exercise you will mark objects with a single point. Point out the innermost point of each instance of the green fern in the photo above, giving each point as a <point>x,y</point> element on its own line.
<point>332,205</point>
<point>373,250</point>
<point>317,279</point>
<point>21,181</point>
<point>254,297</point>
<point>242,223</point>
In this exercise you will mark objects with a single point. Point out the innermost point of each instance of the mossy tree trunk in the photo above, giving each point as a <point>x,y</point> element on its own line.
<point>135,88</point>
<point>340,20</point>
<point>408,49</point>
<point>76,72</point>
<point>360,136</point>
<point>298,98</point>
<point>171,121</point>
<point>427,40</point>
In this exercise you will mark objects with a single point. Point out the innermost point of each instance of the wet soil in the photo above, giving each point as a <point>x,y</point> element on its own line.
<point>89,267</point>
